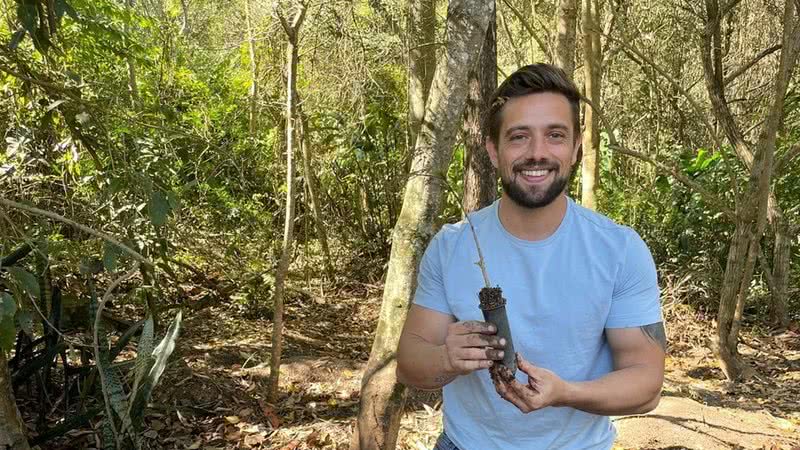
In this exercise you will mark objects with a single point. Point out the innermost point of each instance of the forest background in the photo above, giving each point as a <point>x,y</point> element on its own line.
<point>191,188</point>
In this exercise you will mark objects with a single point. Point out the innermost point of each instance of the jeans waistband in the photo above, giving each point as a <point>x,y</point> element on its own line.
<point>444,443</point>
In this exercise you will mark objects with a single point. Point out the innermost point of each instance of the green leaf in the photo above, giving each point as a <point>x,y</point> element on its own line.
<point>8,333</point>
<point>110,255</point>
<point>158,208</point>
<point>7,330</point>
<point>8,306</point>
<point>161,354</point>
<point>25,279</point>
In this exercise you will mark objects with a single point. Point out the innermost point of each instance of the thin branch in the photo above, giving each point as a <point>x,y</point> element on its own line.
<point>530,29</point>
<point>630,50</point>
<point>664,168</point>
<point>736,73</point>
<point>786,159</point>
<point>40,212</point>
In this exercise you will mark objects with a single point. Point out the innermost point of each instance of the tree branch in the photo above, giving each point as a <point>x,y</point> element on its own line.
<point>40,212</point>
<point>786,159</point>
<point>530,30</point>
<point>675,172</point>
<point>736,73</point>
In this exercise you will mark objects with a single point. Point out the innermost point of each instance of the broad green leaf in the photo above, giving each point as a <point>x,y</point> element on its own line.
<point>8,306</point>
<point>8,333</point>
<point>158,208</point>
<point>7,330</point>
<point>26,280</point>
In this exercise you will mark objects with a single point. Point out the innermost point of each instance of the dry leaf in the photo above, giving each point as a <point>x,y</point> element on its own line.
<point>291,445</point>
<point>157,425</point>
<point>232,419</point>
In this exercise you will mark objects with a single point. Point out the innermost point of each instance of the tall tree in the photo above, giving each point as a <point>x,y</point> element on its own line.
<point>592,60</point>
<point>382,398</point>
<point>293,39</point>
<point>480,180</point>
<point>751,207</point>
<point>566,23</point>
<point>421,61</point>
<point>133,88</point>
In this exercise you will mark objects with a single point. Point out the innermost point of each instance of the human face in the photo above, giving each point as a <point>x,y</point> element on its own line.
<point>536,148</point>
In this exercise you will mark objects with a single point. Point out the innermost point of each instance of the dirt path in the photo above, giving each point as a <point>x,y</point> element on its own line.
<point>216,385</point>
<point>681,422</point>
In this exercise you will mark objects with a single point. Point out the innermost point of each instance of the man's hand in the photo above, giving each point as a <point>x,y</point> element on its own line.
<point>471,346</point>
<point>544,388</point>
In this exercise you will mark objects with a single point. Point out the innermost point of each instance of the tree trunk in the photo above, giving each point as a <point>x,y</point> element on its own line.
<point>292,32</point>
<point>590,161</point>
<point>781,260</point>
<point>382,397</point>
<point>421,61</point>
<point>308,177</point>
<point>12,429</point>
<point>185,16</point>
<point>566,22</point>
<point>480,180</point>
<point>751,212</point>
<point>251,47</point>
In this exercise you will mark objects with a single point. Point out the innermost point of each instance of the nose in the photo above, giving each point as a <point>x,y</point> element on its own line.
<point>536,147</point>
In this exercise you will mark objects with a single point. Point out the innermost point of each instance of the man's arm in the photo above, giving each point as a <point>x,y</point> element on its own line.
<point>434,348</point>
<point>634,387</point>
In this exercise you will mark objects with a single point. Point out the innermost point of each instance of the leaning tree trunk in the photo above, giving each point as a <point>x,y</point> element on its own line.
<point>292,32</point>
<point>421,61</point>
<point>382,397</point>
<point>590,161</point>
<point>480,181</point>
<point>566,22</point>
<point>751,213</point>
<point>12,429</point>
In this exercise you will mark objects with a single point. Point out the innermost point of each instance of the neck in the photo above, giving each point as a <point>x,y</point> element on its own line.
<point>532,224</point>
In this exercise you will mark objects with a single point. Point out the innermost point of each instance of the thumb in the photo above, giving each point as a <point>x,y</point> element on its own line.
<point>525,366</point>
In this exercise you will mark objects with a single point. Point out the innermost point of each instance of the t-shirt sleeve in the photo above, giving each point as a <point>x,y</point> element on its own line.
<point>430,279</point>
<point>636,297</point>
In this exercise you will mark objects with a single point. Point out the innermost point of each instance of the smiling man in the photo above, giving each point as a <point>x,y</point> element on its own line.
<point>582,295</point>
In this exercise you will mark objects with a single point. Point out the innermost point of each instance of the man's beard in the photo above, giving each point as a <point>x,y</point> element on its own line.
<point>534,197</point>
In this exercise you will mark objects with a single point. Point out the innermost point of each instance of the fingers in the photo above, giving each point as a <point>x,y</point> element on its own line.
<point>474,326</point>
<point>513,392</point>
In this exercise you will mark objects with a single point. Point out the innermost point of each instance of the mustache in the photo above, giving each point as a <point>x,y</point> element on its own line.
<point>535,164</point>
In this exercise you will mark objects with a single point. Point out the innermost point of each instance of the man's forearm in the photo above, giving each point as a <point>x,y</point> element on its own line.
<point>632,390</point>
<point>422,365</point>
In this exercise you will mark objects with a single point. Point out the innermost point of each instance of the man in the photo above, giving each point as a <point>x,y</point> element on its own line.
<point>582,295</point>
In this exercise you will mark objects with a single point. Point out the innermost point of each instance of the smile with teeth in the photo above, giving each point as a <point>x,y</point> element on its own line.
<point>535,173</point>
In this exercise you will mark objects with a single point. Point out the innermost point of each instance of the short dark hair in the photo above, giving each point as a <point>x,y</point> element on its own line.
<point>531,79</point>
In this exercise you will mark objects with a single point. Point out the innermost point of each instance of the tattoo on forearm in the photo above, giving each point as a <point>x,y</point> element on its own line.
<point>655,332</point>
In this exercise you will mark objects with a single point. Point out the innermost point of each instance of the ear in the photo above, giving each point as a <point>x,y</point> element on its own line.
<point>491,149</point>
<point>577,150</point>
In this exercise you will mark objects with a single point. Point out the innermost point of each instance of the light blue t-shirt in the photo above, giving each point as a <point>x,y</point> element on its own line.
<point>562,293</point>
